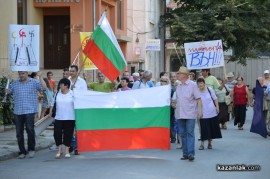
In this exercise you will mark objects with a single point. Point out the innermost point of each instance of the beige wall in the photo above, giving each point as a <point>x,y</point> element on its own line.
<point>35,17</point>
<point>8,14</point>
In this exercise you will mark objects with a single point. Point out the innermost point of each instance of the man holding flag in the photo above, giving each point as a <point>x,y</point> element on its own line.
<point>116,122</point>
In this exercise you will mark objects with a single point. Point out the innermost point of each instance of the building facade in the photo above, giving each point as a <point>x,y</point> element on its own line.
<point>143,24</point>
<point>60,22</point>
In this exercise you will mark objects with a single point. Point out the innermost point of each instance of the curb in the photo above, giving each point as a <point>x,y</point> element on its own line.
<point>10,150</point>
<point>12,155</point>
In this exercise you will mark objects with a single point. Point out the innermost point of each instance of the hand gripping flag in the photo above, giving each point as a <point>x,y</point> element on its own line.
<point>104,50</point>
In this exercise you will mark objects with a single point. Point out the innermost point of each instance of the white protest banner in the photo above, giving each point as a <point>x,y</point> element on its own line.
<point>24,47</point>
<point>206,54</point>
<point>152,44</point>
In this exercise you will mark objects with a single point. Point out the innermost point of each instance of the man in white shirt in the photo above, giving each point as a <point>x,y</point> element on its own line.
<point>76,81</point>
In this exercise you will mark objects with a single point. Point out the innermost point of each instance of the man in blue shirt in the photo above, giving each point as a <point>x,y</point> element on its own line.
<point>25,95</point>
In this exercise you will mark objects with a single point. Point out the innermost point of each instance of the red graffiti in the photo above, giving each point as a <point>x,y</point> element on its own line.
<point>22,35</point>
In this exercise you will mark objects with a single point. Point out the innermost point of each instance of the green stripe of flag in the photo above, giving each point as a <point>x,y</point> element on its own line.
<point>108,48</point>
<point>122,118</point>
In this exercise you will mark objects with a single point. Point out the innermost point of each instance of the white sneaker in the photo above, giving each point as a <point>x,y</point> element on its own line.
<point>57,156</point>
<point>21,156</point>
<point>67,156</point>
<point>31,154</point>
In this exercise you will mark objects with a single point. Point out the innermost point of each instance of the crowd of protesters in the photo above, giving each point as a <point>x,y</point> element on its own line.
<point>210,101</point>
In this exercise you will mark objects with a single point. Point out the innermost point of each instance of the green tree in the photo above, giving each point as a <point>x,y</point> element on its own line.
<point>242,25</point>
<point>6,108</point>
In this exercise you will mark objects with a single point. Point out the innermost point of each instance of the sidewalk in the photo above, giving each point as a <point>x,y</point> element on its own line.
<point>9,147</point>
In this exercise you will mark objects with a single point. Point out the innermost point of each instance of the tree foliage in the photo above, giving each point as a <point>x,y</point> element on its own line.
<point>242,25</point>
<point>6,109</point>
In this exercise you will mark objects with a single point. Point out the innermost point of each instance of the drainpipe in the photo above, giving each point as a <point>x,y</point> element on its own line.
<point>94,13</point>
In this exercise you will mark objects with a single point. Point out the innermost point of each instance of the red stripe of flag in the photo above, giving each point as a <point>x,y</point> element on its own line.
<point>93,52</point>
<point>123,139</point>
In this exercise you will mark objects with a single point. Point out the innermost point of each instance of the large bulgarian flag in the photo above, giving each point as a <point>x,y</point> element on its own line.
<point>104,50</point>
<point>134,119</point>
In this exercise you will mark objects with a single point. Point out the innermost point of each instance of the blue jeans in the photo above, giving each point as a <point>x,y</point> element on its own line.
<point>186,129</point>
<point>26,120</point>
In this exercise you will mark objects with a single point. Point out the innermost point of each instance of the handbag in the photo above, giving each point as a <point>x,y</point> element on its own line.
<point>265,104</point>
<point>227,92</point>
<point>54,106</point>
<point>228,99</point>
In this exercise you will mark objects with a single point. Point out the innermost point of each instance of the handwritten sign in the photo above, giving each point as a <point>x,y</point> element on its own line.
<point>88,64</point>
<point>152,44</point>
<point>24,47</point>
<point>206,54</point>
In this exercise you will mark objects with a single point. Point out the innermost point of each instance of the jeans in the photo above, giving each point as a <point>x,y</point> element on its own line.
<point>186,128</point>
<point>172,130</point>
<point>26,120</point>
<point>74,142</point>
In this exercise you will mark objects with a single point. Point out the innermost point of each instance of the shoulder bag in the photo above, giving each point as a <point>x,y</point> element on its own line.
<point>228,99</point>
<point>211,96</point>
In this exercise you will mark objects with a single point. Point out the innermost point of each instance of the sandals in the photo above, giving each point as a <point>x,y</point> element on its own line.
<point>201,147</point>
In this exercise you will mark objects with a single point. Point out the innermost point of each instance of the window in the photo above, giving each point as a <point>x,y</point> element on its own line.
<point>119,14</point>
<point>22,11</point>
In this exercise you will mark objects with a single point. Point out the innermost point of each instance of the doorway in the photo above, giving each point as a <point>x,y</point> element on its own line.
<point>56,42</point>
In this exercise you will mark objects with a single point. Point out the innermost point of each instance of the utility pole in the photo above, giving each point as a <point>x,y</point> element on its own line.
<point>94,25</point>
<point>162,30</point>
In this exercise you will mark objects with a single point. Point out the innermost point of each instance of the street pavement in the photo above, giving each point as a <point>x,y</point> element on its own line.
<point>9,146</point>
<point>235,148</point>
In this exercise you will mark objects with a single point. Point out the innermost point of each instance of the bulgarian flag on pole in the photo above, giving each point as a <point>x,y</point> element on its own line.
<point>134,119</point>
<point>104,50</point>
